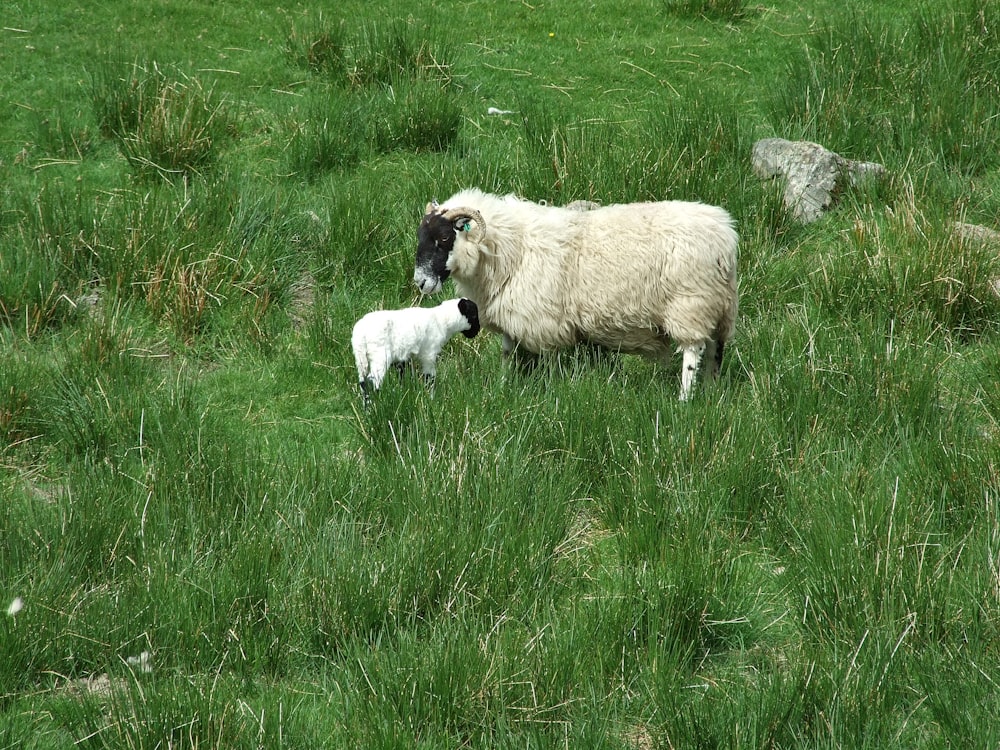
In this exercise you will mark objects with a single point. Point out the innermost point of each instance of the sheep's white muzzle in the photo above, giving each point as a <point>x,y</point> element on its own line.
<point>426,283</point>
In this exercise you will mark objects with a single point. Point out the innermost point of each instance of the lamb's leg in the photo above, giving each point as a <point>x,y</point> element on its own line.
<point>379,366</point>
<point>689,367</point>
<point>428,369</point>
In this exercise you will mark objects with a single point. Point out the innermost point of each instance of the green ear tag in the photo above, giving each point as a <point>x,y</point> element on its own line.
<point>466,227</point>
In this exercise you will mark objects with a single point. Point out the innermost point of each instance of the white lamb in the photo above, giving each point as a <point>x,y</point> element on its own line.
<point>635,277</point>
<point>393,337</point>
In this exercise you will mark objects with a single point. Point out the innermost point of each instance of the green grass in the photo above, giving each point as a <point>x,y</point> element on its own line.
<point>921,89</point>
<point>200,199</point>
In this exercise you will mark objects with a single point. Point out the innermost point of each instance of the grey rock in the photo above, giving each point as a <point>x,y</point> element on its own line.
<point>979,235</point>
<point>976,233</point>
<point>813,175</point>
<point>582,205</point>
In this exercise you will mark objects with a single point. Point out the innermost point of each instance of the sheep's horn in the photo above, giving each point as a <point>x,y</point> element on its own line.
<point>455,214</point>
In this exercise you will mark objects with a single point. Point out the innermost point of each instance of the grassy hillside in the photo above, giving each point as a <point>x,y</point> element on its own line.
<point>199,199</point>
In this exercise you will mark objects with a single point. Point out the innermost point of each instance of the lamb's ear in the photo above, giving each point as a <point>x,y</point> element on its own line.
<point>470,311</point>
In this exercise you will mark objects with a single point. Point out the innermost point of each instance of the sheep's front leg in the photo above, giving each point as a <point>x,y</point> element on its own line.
<point>524,360</point>
<point>689,368</point>
<point>508,346</point>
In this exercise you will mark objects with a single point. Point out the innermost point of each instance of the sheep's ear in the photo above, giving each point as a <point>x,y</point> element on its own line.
<point>463,219</point>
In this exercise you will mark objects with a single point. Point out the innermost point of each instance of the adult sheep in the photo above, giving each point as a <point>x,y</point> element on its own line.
<point>640,278</point>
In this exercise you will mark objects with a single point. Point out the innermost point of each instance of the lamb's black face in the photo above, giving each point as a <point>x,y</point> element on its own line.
<point>470,310</point>
<point>435,240</point>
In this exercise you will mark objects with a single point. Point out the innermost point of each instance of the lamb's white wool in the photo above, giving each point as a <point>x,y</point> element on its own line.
<point>386,337</point>
<point>637,277</point>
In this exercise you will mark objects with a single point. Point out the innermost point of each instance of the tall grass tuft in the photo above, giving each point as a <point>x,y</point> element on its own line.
<point>137,712</point>
<point>727,10</point>
<point>180,133</point>
<point>17,396</point>
<point>164,125</point>
<point>414,115</point>
<point>370,242</point>
<point>383,54</point>
<point>320,47</point>
<point>189,252</point>
<point>186,251</point>
<point>121,91</point>
<point>695,150</point>
<point>34,294</point>
<point>398,98</point>
<point>61,135</point>
<point>907,271</point>
<point>50,258</point>
<point>923,87</point>
<point>377,54</point>
<point>334,135</point>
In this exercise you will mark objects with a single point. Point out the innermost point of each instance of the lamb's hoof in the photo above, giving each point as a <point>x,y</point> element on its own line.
<point>366,398</point>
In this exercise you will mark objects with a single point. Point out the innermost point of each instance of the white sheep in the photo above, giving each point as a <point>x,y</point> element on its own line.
<point>630,277</point>
<point>393,337</point>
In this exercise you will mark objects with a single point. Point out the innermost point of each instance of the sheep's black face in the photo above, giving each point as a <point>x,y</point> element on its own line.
<point>435,240</point>
<point>470,310</point>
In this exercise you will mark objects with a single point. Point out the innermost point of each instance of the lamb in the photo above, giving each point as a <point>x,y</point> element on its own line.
<point>387,337</point>
<point>630,277</point>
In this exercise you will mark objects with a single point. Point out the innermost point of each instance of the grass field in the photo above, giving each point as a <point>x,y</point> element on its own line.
<point>209,542</point>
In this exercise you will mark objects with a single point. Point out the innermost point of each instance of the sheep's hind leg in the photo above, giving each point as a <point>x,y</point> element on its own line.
<point>689,367</point>
<point>713,357</point>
